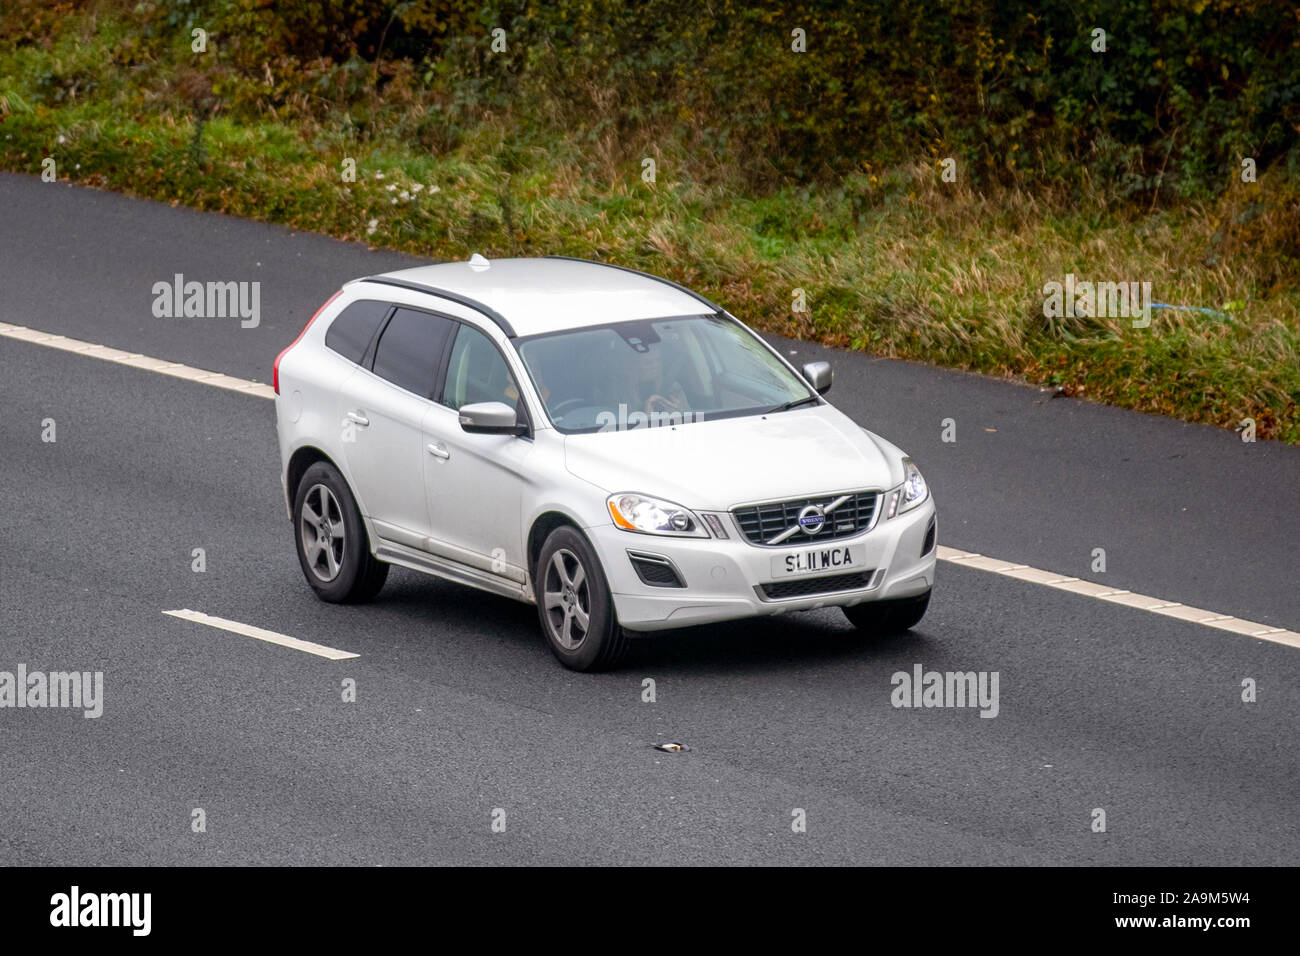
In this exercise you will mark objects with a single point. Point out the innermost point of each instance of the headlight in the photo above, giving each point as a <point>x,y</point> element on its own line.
<point>634,512</point>
<point>911,492</point>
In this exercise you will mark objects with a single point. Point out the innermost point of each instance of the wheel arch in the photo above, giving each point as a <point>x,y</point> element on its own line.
<point>302,459</point>
<point>540,530</point>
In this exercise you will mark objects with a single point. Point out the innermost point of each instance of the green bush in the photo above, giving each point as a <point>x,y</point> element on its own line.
<point>1012,90</point>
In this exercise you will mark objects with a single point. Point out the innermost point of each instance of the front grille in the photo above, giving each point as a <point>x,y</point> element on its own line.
<point>804,587</point>
<point>761,523</point>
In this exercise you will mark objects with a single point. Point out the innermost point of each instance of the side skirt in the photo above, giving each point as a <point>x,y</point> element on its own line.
<point>427,563</point>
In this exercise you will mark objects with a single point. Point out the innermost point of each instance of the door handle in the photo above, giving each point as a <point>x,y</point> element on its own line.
<point>358,418</point>
<point>438,450</point>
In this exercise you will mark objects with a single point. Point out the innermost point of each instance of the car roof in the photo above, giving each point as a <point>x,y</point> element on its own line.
<point>533,296</point>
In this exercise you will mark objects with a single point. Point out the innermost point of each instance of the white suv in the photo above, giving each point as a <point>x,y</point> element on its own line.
<point>600,442</point>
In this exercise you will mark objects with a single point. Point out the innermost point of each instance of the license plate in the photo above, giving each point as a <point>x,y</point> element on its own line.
<point>828,558</point>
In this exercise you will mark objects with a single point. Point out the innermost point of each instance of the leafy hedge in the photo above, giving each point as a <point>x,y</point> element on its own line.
<point>1012,90</point>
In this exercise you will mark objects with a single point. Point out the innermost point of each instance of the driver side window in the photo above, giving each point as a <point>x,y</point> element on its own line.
<point>477,372</point>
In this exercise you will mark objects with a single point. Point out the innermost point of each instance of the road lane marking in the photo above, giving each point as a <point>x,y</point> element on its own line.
<point>320,650</point>
<point>971,559</point>
<point>1142,602</point>
<point>136,360</point>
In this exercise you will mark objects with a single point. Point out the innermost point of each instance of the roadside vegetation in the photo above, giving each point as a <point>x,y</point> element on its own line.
<point>773,171</point>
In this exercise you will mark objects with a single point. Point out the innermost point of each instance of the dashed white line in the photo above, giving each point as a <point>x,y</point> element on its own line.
<point>136,360</point>
<point>970,559</point>
<point>1224,622</point>
<point>271,637</point>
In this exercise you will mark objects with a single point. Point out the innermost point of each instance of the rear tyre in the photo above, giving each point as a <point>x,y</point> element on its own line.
<point>330,536</point>
<point>574,604</point>
<point>882,618</point>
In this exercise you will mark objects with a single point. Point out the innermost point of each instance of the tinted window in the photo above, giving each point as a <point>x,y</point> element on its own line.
<point>350,333</point>
<point>477,372</point>
<point>410,349</point>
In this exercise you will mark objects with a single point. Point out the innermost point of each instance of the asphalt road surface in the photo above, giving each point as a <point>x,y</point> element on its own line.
<point>460,710</point>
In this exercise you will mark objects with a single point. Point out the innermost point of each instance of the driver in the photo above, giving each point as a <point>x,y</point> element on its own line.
<point>653,392</point>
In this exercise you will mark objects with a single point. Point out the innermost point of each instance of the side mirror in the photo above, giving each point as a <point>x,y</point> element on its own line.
<point>818,375</point>
<point>490,418</point>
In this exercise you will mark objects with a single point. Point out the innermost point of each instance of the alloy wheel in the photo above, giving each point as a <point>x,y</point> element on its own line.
<point>323,533</point>
<point>567,599</point>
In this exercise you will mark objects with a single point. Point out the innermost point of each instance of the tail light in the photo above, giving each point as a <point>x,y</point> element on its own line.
<point>275,369</point>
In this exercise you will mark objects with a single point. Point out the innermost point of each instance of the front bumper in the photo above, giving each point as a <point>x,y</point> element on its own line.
<point>724,577</point>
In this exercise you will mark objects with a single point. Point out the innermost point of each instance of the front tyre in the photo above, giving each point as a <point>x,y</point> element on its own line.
<point>331,539</point>
<point>574,604</point>
<point>882,618</point>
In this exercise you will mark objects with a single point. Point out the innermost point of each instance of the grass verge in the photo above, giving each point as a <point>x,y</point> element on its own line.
<point>894,262</point>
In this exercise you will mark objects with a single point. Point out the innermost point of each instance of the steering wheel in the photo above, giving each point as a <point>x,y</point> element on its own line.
<point>569,404</point>
<point>658,404</point>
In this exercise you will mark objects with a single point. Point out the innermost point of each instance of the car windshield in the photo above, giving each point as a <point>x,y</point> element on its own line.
<point>657,372</point>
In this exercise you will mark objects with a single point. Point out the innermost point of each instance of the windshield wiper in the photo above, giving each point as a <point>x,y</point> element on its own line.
<point>793,403</point>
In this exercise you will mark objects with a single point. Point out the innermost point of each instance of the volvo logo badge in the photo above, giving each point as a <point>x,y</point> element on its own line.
<point>812,519</point>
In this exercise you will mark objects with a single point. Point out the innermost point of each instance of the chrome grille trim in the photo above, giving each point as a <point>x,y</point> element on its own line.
<point>775,523</point>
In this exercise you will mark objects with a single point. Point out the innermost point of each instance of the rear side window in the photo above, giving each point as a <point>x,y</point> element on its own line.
<point>350,333</point>
<point>410,349</point>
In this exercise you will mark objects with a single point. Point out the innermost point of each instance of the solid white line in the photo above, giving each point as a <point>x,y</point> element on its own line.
<point>136,360</point>
<point>1023,572</point>
<point>320,650</point>
<point>1224,622</point>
